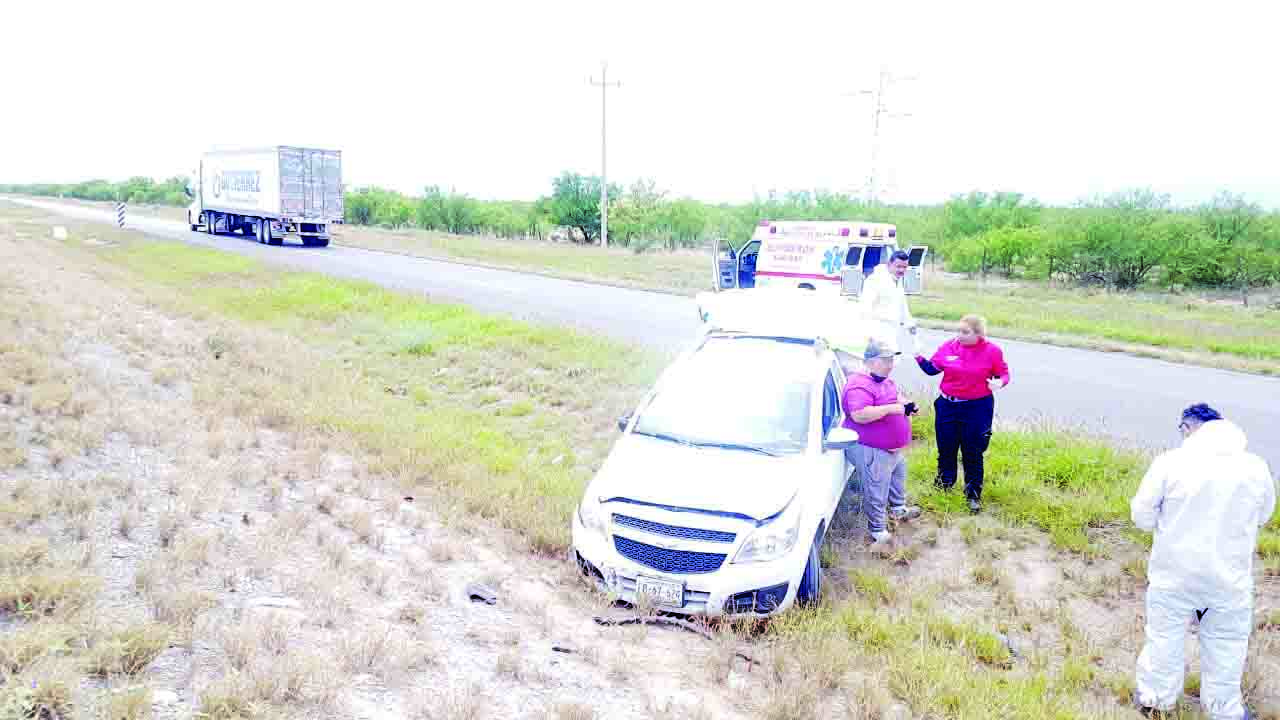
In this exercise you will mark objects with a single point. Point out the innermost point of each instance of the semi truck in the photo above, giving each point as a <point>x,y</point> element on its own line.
<point>268,193</point>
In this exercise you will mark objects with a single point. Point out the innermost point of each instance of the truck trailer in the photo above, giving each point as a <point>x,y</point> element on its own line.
<point>268,193</point>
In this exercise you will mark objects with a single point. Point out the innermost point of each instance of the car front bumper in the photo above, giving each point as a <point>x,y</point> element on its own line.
<point>754,589</point>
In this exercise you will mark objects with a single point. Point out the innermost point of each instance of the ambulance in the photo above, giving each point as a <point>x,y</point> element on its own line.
<point>827,256</point>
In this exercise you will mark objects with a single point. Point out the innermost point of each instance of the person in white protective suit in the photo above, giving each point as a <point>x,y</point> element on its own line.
<point>1206,501</point>
<point>885,303</point>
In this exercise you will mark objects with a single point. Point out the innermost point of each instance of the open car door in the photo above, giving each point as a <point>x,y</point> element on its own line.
<point>724,267</point>
<point>913,281</point>
<point>851,276</point>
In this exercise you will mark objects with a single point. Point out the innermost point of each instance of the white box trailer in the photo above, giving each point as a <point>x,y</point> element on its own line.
<point>268,193</point>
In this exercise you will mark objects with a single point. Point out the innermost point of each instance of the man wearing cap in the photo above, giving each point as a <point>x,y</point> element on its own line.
<point>874,408</point>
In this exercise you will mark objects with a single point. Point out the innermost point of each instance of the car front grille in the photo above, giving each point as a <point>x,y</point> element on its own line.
<point>675,531</point>
<point>678,562</point>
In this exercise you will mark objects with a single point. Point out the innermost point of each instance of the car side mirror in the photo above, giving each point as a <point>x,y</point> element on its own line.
<point>840,438</point>
<point>623,422</point>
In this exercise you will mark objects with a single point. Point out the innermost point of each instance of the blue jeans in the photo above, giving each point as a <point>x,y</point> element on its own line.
<point>883,476</point>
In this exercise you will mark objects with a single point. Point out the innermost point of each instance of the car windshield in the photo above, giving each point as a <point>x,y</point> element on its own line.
<point>748,394</point>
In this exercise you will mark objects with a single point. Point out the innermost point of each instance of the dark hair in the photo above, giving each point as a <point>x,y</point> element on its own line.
<point>1201,413</point>
<point>899,255</point>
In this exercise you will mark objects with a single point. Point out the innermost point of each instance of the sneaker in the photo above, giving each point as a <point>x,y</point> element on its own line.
<point>975,507</point>
<point>880,538</point>
<point>1151,712</point>
<point>904,513</point>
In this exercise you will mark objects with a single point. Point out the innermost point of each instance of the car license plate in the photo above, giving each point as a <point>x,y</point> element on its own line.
<point>660,592</point>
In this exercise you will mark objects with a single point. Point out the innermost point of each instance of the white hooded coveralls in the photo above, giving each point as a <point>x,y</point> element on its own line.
<point>884,302</point>
<point>1206,502</point>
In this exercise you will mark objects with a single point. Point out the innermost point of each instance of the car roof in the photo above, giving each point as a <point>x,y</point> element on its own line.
<point>787,313</point>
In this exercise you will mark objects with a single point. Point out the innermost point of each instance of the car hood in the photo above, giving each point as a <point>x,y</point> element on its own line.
<point>736,482</point>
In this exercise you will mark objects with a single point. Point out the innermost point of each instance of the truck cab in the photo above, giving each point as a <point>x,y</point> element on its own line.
<point>825,256</point>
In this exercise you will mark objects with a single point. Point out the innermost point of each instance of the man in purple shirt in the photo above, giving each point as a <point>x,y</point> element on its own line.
<point>873,408</point>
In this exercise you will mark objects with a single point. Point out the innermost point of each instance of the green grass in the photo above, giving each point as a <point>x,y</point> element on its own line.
<point>553,393</point>
<point>518,458</point>
<point>938,666</point>
<point>1062,484</point>
<point>1145,323</point>
<point>1028,310</point>
<point>684,272</point>
<point>1165,321</point>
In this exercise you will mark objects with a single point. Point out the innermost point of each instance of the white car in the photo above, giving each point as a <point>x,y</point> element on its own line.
<point>716,498</point>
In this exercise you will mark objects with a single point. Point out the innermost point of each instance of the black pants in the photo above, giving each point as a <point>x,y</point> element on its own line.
<point>965,427</point>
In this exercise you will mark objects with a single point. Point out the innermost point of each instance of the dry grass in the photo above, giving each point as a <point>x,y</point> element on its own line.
<point>510,665</point>
<point>793,700</point>
<point>128,651</point>
<point>986,574</point>
<point>452,703</point>
<point>130,704</point>
<point>228,699</point>
<point>22,554</point>
<point>43,591</point>
<point>179,608</point>
<point>26,645</point>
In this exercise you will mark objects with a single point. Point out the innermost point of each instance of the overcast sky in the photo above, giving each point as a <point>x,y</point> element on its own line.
<point>718,100</point>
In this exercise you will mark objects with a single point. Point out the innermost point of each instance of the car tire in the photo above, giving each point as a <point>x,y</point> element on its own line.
<point>210,220</point>
<point>810,585</point>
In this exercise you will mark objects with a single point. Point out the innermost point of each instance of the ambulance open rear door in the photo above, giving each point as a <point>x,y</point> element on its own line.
<point>913,281</point>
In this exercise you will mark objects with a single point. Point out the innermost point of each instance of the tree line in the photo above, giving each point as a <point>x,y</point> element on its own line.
<point>138,190</point>
<point>1121,241</point>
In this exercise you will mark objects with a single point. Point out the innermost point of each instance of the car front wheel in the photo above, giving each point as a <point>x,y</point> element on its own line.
<point>811,580</point>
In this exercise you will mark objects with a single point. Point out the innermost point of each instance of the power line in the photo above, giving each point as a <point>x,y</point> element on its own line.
<point>604,174</point>
<point>881,112</point>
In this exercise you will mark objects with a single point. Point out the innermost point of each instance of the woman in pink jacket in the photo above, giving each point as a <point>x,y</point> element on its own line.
<point>971,367</point>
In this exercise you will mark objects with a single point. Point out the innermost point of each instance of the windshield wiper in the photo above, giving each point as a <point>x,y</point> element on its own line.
<point>664,436</point>
<point>738,446</point>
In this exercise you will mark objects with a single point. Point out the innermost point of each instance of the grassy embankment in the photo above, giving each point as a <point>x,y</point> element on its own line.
<point>510,420</point>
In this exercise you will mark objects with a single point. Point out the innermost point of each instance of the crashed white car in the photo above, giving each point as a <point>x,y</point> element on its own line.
<point>716,498</point>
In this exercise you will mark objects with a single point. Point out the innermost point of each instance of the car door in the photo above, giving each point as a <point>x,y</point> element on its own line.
<point>834,467</point>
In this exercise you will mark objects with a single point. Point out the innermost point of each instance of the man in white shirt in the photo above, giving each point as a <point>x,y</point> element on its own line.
<point>885,303</point>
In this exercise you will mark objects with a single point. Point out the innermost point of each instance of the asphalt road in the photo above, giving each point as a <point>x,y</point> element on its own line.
<point>1133,400</point>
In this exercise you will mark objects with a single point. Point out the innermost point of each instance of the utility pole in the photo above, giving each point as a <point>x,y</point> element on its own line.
<point>887,79</point>
<point>604,149</point>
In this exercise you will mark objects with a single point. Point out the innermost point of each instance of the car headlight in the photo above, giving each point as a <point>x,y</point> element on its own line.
<point>774,540</point>
<point>591,515</point>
